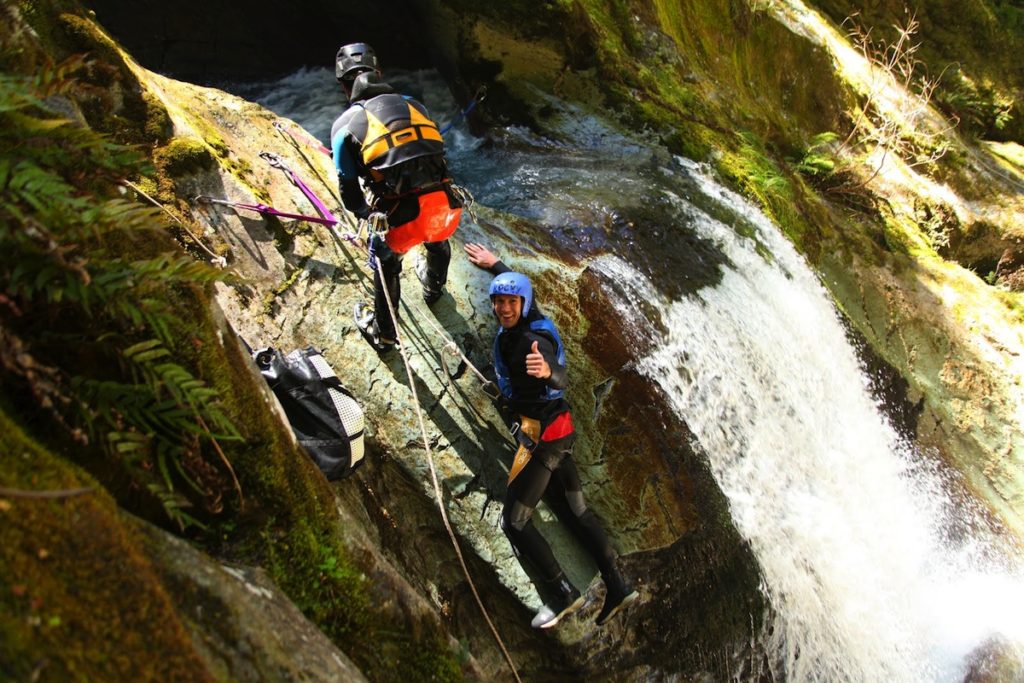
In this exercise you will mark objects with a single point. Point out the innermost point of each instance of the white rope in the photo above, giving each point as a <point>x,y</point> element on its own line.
<point>450,345</point>
<point>437,486</point>
<point>216,258</point>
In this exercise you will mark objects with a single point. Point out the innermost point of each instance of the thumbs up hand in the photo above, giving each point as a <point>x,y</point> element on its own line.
<point>536,366</point>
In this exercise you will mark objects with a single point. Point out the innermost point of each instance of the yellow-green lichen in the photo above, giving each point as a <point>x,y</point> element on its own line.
<point>183,156</point>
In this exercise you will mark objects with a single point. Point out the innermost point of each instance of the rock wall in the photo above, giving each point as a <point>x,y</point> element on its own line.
<point>301,282</point>
<point>693,75</point>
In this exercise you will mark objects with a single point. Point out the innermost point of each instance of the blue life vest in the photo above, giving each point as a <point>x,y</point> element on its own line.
<point>545,327</point>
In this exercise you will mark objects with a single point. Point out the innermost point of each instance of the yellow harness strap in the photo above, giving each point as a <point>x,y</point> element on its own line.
<point>531,428</point>
<point>380,139</point>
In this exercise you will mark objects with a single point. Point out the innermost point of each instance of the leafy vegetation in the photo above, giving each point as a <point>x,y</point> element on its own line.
<point>88,327</point>
<point>109,359</point>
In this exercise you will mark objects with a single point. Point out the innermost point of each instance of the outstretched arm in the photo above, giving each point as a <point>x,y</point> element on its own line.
<point>481,257</point>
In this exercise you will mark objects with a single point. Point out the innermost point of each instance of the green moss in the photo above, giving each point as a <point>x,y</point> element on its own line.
<point>971,46</point>
<point>289,524</point>
<point>692,142</point>
<point>238,167</point>
<point>270,299</point>
<point>1009,156</point>
<point>1014,301</point>
<point>83,35</point>
<point>158,126</point>
<point>767,182</point>
<point>182,156</point>
<point>904,236</point>
<point>101,614</point>
<point>314,570</point>
<point>78,601</point>
<point>428,659</point>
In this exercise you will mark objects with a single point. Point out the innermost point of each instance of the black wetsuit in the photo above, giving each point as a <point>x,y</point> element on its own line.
<point>395,175</point>
<point>551,470</point>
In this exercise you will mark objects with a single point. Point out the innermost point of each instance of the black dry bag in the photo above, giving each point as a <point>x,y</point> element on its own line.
<point>326,419</point>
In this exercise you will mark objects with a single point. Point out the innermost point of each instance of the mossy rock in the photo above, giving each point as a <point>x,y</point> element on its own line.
<point>183,156</point>
<point>78,600</point>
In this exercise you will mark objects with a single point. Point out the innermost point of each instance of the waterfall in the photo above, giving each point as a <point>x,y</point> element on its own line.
<point>854,532</point>
<point>875,570</point>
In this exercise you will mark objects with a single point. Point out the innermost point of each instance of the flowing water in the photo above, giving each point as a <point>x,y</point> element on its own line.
<point>874,570</point>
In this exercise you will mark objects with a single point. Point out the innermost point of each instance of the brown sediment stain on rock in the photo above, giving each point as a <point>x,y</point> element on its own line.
<point>642,445</point>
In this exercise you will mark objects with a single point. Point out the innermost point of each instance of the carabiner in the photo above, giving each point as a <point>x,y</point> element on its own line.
<point>377,223</point>
<point>491,390</point>
<point>273,159</point>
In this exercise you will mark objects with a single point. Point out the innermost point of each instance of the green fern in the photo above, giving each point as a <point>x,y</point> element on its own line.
<point>80,292</point>
<point>819,159</point>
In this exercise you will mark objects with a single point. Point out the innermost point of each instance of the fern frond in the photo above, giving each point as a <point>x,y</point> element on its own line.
<point>67,272</point>
<point>174,504</point>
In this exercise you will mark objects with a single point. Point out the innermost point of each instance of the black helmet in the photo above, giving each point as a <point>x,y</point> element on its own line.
<point>353,59</point>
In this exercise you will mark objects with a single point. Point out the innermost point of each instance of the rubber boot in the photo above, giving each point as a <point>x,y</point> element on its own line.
<point>565,600</point>
<point>620,594</point>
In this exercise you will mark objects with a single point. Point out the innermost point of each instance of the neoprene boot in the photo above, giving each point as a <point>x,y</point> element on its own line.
<point>564,600</point>
<point>620,594</point>
<point>432,269</point>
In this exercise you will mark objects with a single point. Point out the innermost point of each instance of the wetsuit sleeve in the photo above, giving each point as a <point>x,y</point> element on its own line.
<point>352,197</point>
<point>559,378</point>
<point>348,178</point>
<point>498,268</point>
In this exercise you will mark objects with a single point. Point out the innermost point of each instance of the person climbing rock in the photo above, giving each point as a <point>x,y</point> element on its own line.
<point>530,363</point>
<point>387,144</point>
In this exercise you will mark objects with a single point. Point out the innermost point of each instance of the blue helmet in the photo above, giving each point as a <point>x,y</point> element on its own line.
<point>515,284</point>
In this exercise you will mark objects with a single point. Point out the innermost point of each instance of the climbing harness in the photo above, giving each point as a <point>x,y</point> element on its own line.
<point>527,434</point>
<point>276,161</point>
<point>374,224</point>
<point>438,494</point>
<point>481,93</point>
<point>377,223</point>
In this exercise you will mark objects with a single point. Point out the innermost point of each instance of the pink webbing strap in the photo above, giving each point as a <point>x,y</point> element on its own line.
<point>329,218</point>
<point>276,161</point>
<point>269,210</point>
<point>308,139</point>
<point>263,208</point>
